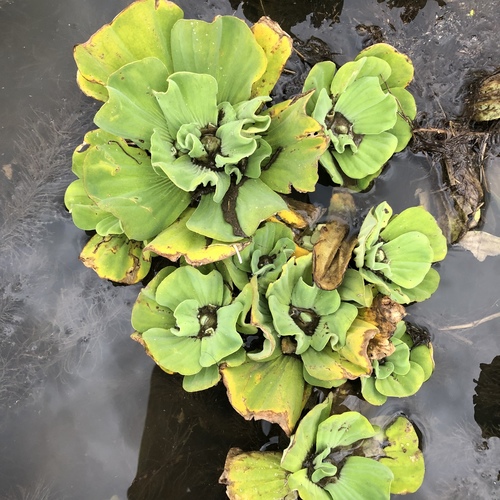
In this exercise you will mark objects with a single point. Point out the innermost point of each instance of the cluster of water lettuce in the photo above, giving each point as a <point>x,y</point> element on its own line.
<point>184,137</point>
<point>190,164</point>
<point>331,457</point>
<point>259,317</point>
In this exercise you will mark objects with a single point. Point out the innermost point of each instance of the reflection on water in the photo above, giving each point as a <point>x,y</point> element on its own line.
<point>316,12</point>
<point>410,7</point>
<point>75,420</point>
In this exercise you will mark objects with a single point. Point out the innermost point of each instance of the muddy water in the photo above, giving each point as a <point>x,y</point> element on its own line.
<point>82,410</point>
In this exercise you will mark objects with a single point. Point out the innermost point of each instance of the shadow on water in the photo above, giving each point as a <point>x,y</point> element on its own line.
<point>75,421</point>
<point>185,441</point>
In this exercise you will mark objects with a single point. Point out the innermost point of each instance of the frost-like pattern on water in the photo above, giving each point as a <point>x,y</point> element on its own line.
<point>34,182</point>
<point>48,325</point>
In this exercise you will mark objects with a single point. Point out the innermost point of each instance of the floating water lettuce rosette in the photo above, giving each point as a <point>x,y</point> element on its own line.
<point>184,132</point>
<point>331,457</point>
<point>189,323</point>
<point>366,112</point>
<point>304,336</point>
<point>396,253</point>
<point>402,372</point>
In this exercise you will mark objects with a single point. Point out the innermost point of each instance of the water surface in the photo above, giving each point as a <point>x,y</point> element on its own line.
<point>84,415</point>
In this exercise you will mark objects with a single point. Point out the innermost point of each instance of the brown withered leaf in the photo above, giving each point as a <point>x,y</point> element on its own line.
<point>334,242</point>
<point>481,244</point>
<point>332,253</point>
<point>385,314</point>
<point>457,156</point>
<point>486,104</point>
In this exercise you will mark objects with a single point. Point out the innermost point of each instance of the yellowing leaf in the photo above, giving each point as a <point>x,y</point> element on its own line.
<point>403,457</point>
<point>116,258</point>
<point>255,474</point>
<point>177,241</point>
<point>274,390</point>
<point>141,30</point>
<point>277,46</point>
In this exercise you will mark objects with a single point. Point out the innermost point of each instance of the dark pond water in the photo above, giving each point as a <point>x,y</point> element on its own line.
<point>83,412</point>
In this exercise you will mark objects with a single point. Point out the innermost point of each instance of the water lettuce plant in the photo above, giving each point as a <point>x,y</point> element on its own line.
<point>184,125</point>
<point>189,323</point>
<point>317,326</point>
<point>402,372</point>
<point>331,457</point>
<point>365,110</point>
<point>396,253</point>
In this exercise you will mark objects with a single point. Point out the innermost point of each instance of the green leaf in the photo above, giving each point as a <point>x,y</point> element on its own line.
<point>370,392</point>
<point>172,353</point>
<point>204,379</point>
<point>116,258</point>
<point>367,107</point>
<point>352,71</point>
<point>96,137</point>
<point>273,390</point>
<point>225,340</point>
<point>84,211</point>
<point>423,356</point>
<point>256,474</point>
<point>109,225</point>
<point>188,283</point>
<point>132,110</point>
<point>307,489</point>
<point>423,290</point>
<point>403,457</point>
<point>143,29</point>
<point>319,79</point>
<point>343,430</point>
<point>401,386</point>
<point>261,317</point>
<point>121,180</point>
<point>418,219</point>
<point>190,98</point>
<point>297,141</point>
<point>409,256</point>
<point>253,203</point>
<point>373,152</point>
<point>147,313</point>
<point>362,478</point>
<point>216,49</point>
<point>354,289</point>
<point>304,438</point>
<point>407,112</point>
<point>401,65</point>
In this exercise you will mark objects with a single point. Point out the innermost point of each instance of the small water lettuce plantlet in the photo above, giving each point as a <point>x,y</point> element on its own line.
<point>366,112</point>
<point>402,372</point>
<point>271,247</point>
<point>396,253</point>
